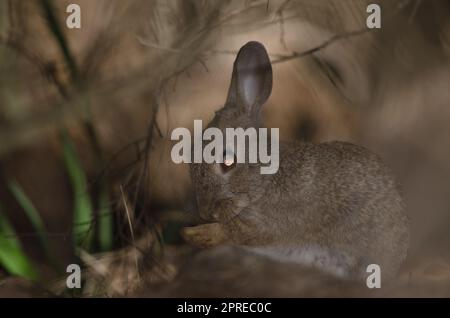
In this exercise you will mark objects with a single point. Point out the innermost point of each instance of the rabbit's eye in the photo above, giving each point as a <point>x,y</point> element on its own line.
<point>228,163</point>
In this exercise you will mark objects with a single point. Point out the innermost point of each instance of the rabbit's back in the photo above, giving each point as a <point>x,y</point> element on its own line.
<point>339,198</point>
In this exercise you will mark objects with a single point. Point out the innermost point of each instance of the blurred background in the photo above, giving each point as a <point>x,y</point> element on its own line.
<point>86,115</point>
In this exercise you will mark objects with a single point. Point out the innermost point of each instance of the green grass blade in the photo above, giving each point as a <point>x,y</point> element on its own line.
<point>12,257</point>
<point>83,218</point>
<point>52,20</point>
<point>105,223</point>
<point>32,214</point>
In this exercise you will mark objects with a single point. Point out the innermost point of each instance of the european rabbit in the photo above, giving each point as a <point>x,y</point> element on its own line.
<point>333,206</point>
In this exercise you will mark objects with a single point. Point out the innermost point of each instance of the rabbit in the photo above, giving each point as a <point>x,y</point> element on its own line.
<point>333,206</point>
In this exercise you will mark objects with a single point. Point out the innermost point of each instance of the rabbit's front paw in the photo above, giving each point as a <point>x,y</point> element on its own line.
<point>205,235</point>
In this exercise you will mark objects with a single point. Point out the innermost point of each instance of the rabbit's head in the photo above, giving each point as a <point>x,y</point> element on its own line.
<point>224,189</point>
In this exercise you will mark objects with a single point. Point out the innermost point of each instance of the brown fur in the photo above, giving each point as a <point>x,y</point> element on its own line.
<point>334,196</point>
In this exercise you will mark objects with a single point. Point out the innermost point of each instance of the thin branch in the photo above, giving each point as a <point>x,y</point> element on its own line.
<point>313,50</point>
<point>125,204</point>
<point>336,38</point>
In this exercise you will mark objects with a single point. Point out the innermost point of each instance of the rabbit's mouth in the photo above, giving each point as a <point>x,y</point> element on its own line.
<point>231,212</point>
<point>222,211</point>
<point>208,214</point>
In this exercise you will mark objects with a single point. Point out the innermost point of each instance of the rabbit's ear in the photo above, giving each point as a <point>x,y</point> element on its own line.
<point>251,82</point>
